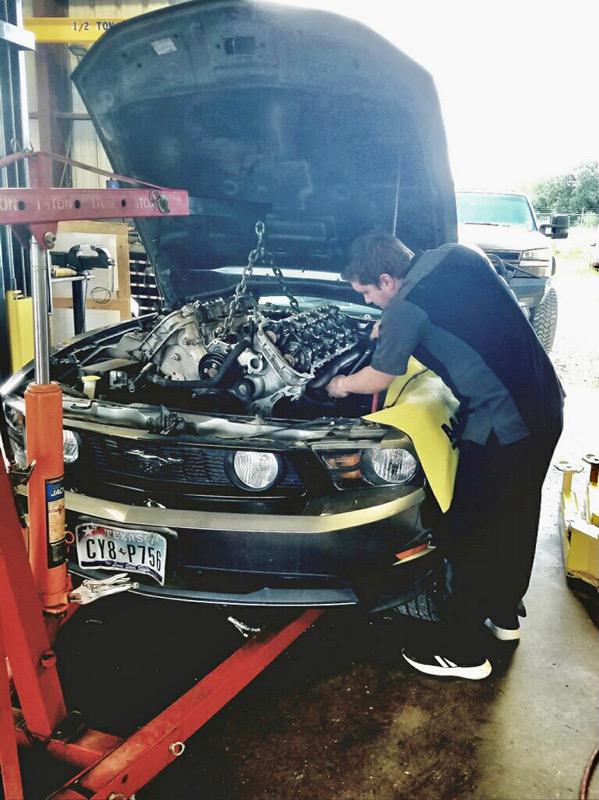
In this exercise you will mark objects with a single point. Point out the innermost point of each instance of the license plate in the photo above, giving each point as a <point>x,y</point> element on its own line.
<point>121,549</point>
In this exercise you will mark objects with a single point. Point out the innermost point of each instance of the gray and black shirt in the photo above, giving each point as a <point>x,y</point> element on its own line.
<point>459,318</point>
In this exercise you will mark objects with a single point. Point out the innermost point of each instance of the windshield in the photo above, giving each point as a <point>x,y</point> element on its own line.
<point>494,209</point>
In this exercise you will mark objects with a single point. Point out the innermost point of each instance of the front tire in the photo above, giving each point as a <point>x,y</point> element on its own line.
<point>544,319</point>
<point>423,607</point>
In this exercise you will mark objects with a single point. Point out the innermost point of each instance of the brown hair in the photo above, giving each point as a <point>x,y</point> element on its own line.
<point>374,254</point>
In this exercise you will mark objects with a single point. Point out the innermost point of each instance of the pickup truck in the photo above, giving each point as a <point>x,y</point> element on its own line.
<point>505,226</point>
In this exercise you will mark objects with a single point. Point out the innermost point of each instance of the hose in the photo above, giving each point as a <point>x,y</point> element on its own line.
<point>588,774</point>
<point>207,383</point>
<point>340,362</point>
<point>367,353</point>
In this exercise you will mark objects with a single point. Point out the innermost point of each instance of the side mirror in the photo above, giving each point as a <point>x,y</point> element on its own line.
<point>557,228</point>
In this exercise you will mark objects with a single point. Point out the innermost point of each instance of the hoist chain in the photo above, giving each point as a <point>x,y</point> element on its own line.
<point>258,254</point>
<point>279,276</point>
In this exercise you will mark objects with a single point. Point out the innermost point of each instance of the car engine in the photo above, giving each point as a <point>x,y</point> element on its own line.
<point>258,354</point>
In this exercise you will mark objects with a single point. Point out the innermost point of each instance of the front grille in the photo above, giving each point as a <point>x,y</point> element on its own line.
<point>172,462</point>
<point>511,257</point>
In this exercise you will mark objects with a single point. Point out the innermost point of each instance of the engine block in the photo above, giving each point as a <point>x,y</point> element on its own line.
<point>287,354</point>
<point>264,354</point>
<point>310,339</point>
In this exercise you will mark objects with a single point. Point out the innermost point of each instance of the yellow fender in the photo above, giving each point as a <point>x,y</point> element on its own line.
<point>419,403</point>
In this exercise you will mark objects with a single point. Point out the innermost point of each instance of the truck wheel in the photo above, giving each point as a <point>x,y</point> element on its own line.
<point>544,319</point>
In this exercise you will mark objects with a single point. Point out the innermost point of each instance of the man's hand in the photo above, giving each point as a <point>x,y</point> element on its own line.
<point>374,333</point>
<point>366,381</point>
<point>335,387</point>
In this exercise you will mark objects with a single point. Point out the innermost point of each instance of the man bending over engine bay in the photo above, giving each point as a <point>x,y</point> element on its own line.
<point>450,310</point>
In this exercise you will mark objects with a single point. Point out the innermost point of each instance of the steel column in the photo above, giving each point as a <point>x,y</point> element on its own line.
<point>39,290</point>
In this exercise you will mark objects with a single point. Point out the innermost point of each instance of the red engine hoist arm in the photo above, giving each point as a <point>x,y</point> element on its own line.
<point>38,210</point>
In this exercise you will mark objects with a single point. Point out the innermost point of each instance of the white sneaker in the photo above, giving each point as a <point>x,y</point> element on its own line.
<point>430,663</point>
<point>506,629</point>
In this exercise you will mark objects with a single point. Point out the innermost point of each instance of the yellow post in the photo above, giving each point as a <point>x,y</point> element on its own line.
<point>19,312</point>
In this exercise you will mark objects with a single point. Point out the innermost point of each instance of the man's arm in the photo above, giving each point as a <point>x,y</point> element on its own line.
<point>366,381</point>
<point>398,338</point>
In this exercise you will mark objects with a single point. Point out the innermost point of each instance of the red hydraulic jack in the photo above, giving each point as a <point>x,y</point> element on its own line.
<point>35,590</point>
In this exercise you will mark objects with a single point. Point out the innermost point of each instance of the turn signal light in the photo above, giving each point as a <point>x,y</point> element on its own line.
<point>342,460</point>
<point>344,467</point>
<point>350,476</point>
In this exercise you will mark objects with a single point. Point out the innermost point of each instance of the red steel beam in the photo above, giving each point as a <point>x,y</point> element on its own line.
<point>144,754</point>
<point>36,211</point>
<point>90,748</point>
<point>32,661</point>
<point>41,205</point>
<point>9,758</point>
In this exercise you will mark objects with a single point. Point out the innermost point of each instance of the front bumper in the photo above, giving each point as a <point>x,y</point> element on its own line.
<point>239,522</point>
<point>239,558</point>
<point>529,291</point>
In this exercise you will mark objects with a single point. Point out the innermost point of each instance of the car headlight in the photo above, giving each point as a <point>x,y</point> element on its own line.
<point>377,465</point>
<point>70,447</point>
<point>253,470</point>
<point>539,254</point>
<point>537,261</point>
<point>389,465</point>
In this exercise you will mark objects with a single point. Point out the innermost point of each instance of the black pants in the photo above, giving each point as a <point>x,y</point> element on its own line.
<point>492,528</point>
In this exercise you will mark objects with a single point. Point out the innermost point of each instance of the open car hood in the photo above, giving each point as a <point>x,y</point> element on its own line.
<point>303,119</point>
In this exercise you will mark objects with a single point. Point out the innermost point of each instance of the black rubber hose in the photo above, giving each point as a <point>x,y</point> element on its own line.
<point>207,383</point>
<point>340,362</point>
<point>366,354</point>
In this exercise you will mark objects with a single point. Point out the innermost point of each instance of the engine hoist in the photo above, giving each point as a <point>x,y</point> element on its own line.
<point>36,596</point>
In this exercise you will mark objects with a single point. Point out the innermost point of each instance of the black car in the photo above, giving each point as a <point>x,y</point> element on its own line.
<point>210,463</point>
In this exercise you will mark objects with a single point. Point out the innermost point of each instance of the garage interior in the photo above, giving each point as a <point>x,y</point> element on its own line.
<point>338,714</point>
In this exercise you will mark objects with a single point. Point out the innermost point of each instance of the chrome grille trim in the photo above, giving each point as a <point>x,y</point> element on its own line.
<point>511,257</point>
